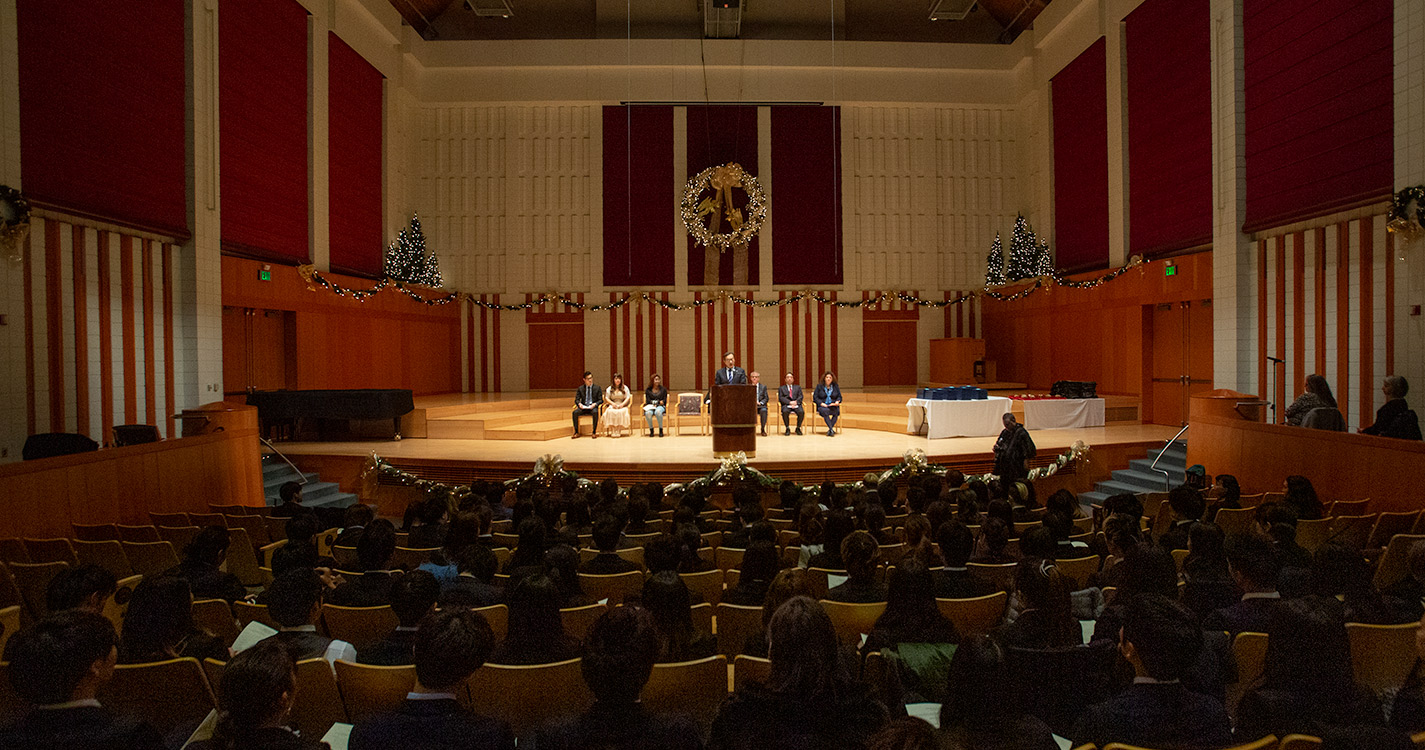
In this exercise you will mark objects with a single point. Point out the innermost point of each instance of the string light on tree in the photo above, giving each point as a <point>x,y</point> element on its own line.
<point>1024,252</point>
<point>408,261</point>
<point>994,264</point>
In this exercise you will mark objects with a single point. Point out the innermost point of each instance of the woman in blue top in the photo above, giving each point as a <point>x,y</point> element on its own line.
<point>828,402</point>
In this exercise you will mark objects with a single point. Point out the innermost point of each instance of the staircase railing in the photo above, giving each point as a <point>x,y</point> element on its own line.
<point>301,478</point>
<point>1167,478</point>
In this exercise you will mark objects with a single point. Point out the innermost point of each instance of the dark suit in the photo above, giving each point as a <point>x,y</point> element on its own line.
<point>208,582</point>
<point>790,396</point>
<point>1155,715</point>
<point>1177,536</point>
<point>468,591</point>
<point>729,376</point>
<point>83,727</point>
<point>858,592</point>
<point>371,589</point>
<point>587,394</point>
<point>607,563</point>
<point>961,584</point>
<point>1246,616</point>
<point>395,650</point>
<point>271,738</point>
<point>430,724</point>
<point>762,405</point>
<point>621,725</point>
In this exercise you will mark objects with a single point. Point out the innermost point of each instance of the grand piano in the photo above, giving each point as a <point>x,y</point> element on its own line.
<point>278,408</point>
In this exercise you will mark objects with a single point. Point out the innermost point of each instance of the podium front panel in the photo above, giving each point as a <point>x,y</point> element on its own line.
<point>734,419</point>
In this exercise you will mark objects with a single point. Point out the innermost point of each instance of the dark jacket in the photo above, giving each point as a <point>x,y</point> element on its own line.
<point>1395,419</point>
<point>304,644</point>
<point>1177,536</point>
<point>395,650</point>
<point>426,536</point>
<point>1246,616</point>
<point>754,717</point>
<point>1012,449</point>
<point>430,725</point>
<point>208,582</point>
<point>620,725</point>
<point>607,563</point>
<point>858,592</point>
<point>1161,716</point>
<point>468,591</point>
<point>1022,732</point>
<point>1264,711</point>
<point>83,727</point>
<point>961,584</point>
<point>273,738</point>
<point>370,589</point>
<point>747,593</point>
<point>349,536</point>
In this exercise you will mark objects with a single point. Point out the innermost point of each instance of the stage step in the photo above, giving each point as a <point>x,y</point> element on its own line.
<point>1138,478</point>
<point>315,493</point>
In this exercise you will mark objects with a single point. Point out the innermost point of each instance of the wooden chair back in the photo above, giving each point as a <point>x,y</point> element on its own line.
<point>616,588</point>
<point>345,557</point>
<point>362,627</point>
<point>1299,742</point>
<point>1394,563</point>
<point>976,616</point>
<point>318,704</point>
<point>166,694</point>
<point>9,624</point>
<point>578,620</point>
<point>727,558</point>
<point>150,558</point>
<point>51,550</point>
<point>247,612</point>
<point>1382,655</point>
<point>367,690</point>
<point>1001,575</point>
<point>178,536</point>
<point>498,615</point>
<point>707,584</point>
<point>852,621</point>
<point>631,554</point>
<point>325,539</point>
<point>1079,569</point>
<point>169,519</point>
<point>138,533</point>
<point>116,607</point>
<point>232,510</point>
<point>256,529</point>
<point>216,617</point>
<point>242,558</point>
<point>735,624</point>
<point>820,580</point>
<point>1348,507</point>
<point>1351,531</point>
<point>267,550</point>
<point>697,688</point>
<point>108,555</point>
<point>1250,652</point>
<point>746,669</point>
<point>1179,557</point>
<point>410,558</point>
<point>689,406</point>
<point>12,549</point>
<point>1235,520</point>
<point>32,581</point>
<point>202,520</point>
<point>1311,533</point>
<point>528,696</point>
<point>95,532</point>
<point>1388,525</point>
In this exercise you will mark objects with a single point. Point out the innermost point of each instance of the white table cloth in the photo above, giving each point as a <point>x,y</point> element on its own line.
<point>1063,413</point>
<point>944,419</point>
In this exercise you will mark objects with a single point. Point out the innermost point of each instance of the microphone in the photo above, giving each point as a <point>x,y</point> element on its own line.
<point>1270,358</point>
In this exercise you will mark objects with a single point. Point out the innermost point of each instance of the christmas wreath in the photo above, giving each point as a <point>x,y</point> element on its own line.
<point>703,217</point>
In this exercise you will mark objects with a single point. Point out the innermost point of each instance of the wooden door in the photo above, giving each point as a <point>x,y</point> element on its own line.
<point>258,350</point>
<point>1181,337</point>
<point>235,349</point>
<point>889,353</point>
<point>556,356</point>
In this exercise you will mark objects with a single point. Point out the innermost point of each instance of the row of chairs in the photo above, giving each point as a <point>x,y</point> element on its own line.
<point>151,553</point>
<point>1363,531</point>
<point>23,588</point>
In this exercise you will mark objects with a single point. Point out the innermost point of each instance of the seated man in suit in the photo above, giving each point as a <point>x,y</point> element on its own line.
<point>58,665</point>
<point>86,587</point>
<point>619,654</point>
<point>761,400</point>
<point>789,395</point>
<point>373,553</point>
<point>607,531</point>
<point>586,403</point>
<point>450,645</point>
<point>202,566</point>
<point>956,581</point>
<point>354,521</point>
<point>1254,566</point>
<point>1187,507</point>
<point>475,585</point>
<point>1161,641</point>
<point>291,495</point>
<point>294,601</point>
<point>413,596</point>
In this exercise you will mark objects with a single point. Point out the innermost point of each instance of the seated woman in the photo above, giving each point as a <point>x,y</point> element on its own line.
<point>690,540</point>
<point>979,710</point>
<point>536,631</point>
<point>617,399</point>
<point>828,402</point>
<point>159,625</point>
<point>789,583</point>
<point>916,535</point>
<point>992,546</point>
<point>1208,584</point>
<point>911,615</point>
<point>1225,493</point>
<point>1317,395</point>
<point>1047,620</point>
<point>759,567</point>
<point>666,597</point>
<point>562,561</point>
<point>811,529</point>
<point>1301,497</point>
<point>860,553</point>
<point>528,555</point>
<point>463,531</point>
<point>655,404</point>
<point>1307,685</point>
<point>255,697</point>
<point>839,525</point>
<point>810,699</point>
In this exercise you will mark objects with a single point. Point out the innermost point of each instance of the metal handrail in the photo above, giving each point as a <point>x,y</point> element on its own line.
<point>1167,478</point>
<point>301,478</point>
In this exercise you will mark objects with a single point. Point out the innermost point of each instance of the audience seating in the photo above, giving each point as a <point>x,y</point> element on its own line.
<point>631,554</point>
<point>791,556</point>
<point>167,694</point>
<point>150,558</point>
<point>247,612</point>
<point>32,579</point>
<point>506,540</point>
<point>1299,742</point>
<point>253,525</point>
<point>95,532</point>
<point>1387,525</point>
<point>707,584</point>
<point>702,617</point>
<point>498,615</point>
<point>890,554</point>
<point>410,558</point>
<point>1311,533</point>
<point>117,605</point>
<point>362,627</point>
<point>735,624</point>
<point>345,557</point>
<point>242,560</point>
<point>267,550</point>
<point>367,690</point>
<point>13,550</point>
<point>747,669</point>
<point>233,510</point>
<point>169,519</point>
<point>178,536</point>
<point>9,623</point>
<point>1394,563</point>
<point>1179,557</point>
<point>108,555</point>
<point>216,617</point>
<point>203,520</point>
<point>1265,743</point>
<point>51,550</point>
<point>1235,520</point>
<point>1382,655</point>
<point>1000,575</point>
<point>713,539</point>
<point>1249,650</point>
<point>10,593</point>
<point>852,620</point>
<point>1351,531</point>
<point>971,617</point>
<point>820,580</point>
<point>277,527</point>
<point>697,688</point>
<point>1348,507</point>
<point>502,555</point>
<point>138,533</point>
<point>727,558</point>
<point>318,704</point>
<point>325,540</point>
<point>615,587</point>
<point>1079,569</point>
<point>578,620</point>
<point>527,696</point>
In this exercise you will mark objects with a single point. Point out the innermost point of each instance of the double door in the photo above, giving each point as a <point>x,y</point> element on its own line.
<point>1181,349</point>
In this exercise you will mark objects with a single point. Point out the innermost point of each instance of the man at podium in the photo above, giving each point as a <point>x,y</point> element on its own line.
<point>730,373</point>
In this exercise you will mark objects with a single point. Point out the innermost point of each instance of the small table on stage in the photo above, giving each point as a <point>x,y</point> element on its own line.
<point>944,419</point>
<point>734,419</point>
<point>366,403</point>
<point>1062,413</point>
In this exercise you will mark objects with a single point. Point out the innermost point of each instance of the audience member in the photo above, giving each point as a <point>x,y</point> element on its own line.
<point>1409,592</point>
<point>992,548</point>
<point>839,525</point>
<point>159,625</point>
<point>1146,569</point>
<point>1187,507</point>
<point>690,540</point>
<point>1407,707</point>
<point>429,533</point>
<point>607,531</point>
<point>759,567</point>
<point>662,553</point>
<point>1395,418</point>
<point>202,566</point>
<point>1316,395</point>
<point>810,698</point>
<point>450,645</point>
<point>1121,533</point>
<point>1301,497</point>
<point>666,597</point>
<point>290,494</point>
<point>474,586</point>
<point>58,665</point>
<point>1208,583</point>
<point>294,602</point>
<point>373,553</point>
<point>955,581</point>
<point>1061,529</point>
<point>413,596</point>
<point>788,583</point>
<point>905,733</point>
<point>536,633</point>
<point>562,562</point>
<point>1038,543</point>
<point>1161,642</point>
<point>354,520</point>
<point>860,553</point>
<point>618,660</point>
<point>748,513</point>
<point>1047,620</point>
<point>300,551</point>
<point>255,698</point>
<point>85,587</point>
<point>912,617</point>
<point>1226,493</point>
<point>1254,569</point>
<point>979,710</point>
<point>464,530</point>
<point>917,535</point>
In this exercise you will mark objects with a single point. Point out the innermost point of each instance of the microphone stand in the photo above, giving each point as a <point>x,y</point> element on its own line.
<point>1271,384</point>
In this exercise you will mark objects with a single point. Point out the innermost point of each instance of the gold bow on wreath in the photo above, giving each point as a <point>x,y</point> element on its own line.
<point>724,179</point>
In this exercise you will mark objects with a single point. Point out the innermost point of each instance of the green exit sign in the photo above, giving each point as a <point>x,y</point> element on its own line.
<point>264,275</point>
<point>1170,270</point>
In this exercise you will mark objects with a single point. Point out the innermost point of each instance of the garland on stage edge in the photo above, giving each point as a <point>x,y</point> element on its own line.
<point>550,467</point>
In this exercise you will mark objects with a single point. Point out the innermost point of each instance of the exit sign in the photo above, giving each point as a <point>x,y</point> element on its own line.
<point>264,275</point>
<point>1170,270</point>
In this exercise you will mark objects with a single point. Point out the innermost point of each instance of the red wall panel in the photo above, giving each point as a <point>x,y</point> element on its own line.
<point>806,152</point>
<point>638,196</point>
<point>1079,95</point>
<point>355,152</point>
<point>718,135</point>
<point>102,110</point>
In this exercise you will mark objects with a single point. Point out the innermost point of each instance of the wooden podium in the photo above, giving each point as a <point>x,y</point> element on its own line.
<point>734,419</point>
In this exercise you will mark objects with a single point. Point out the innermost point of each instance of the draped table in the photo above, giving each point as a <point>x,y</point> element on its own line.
<point>1062,413</point>
<point>944,419</point>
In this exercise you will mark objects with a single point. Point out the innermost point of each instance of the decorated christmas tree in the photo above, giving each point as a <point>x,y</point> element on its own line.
<point>1043,260</point>
<point>407,260</point>
<point>1023,249</point>
<point>994,264</point>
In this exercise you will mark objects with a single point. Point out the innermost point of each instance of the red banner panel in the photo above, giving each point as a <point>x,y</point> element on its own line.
<point>102,88</point>
<point>806,161</point>
<point>718,135</point>
<point>262,82</point>
<point>1079,95</point>
<point>1169,126</point>
<point>1320,108</point>
<point>638,196</point>
<point>354,117</point>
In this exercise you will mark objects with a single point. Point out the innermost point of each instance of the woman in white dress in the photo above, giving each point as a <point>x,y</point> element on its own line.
<point>617,399</point>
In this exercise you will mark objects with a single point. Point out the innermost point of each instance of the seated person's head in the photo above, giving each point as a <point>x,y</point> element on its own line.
<point>159,617</point>
<point>1308,650</point>
<point>376,545</point>
<point>1268,515</point>
<point>978,686</point>
<point>1059,526</point>
<point>531,533</point>
<point>956,543</point>
<point>839,525</point>
<point>915,498</point>
<point>997,535</point>
<point>790,493</point>
<point>751,512</point>
<point>662,553</point>
<point>759,562</point>
<point>450,645</point>
<point>413,595</point>
<point>1001,509</point>
<point>607,531</point>
<point>1149,569</point>
<point>1125,502</point>
<point>1253,562</point>
<point>875,517</point>
<point>484,517</point>
<point>667,598</point>
<point>290,492</point>
<point>619,653</point>
<point>910,593</point>
<point>1160,637</point>
<point>860,552</point>
<point>562,562</point>
<point>1062,501</point>
<point>1038,542</point>
<point>295,598</point>
<point>433,512</point>
<point>66,656</point>
<point>463,529</point>
<point>743,495</point>
<point>638,509</point>
<point>534,605</point>
<point>788,583</point>
<point>761,531</point>
<point>86,587</point>
<point>1416,560</point>
<point>301,529</point>
<point>1187,503</point>
<point>1042,586</point>
<point>256,690</point>
<point>477,560</point>
<point>915,531</point>
<point>357,516</point>
<point>1122,532</point>
<point>209,547</point>
<point>805,655</point>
